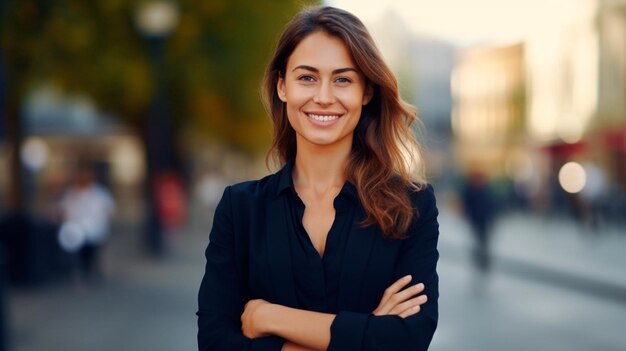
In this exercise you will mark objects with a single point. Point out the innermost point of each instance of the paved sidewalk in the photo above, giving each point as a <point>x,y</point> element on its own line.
<point>143,303</point>
<point>555,251</point>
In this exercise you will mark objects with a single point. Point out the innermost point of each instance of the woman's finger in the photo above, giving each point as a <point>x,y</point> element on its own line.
<point>411,311</point>
<point>402,296</point>
<point>397,299</point>
<point>394,288</point>
<point>407,305</point>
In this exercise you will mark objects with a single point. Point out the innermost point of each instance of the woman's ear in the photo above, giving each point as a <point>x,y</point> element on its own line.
<point>280,88</point>
<point>368,94</point>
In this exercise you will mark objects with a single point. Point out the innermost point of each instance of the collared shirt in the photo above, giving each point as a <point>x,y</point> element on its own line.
<point>317,278</point>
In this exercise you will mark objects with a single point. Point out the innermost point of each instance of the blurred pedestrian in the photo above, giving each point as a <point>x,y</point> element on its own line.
<point>86,208</point>
<point>210,187</point>
<point>338,249</point>
<point>479,209</point>
<point>594,194</point>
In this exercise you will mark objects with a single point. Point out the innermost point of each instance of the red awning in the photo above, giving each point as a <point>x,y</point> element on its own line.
<point>565,149</point>
<point>615,139</point>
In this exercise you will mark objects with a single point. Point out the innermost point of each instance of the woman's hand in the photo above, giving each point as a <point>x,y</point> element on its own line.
<point>253,319</point>
<point>401,303</point>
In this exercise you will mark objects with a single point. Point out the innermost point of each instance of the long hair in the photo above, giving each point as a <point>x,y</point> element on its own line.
<point>385,162</point>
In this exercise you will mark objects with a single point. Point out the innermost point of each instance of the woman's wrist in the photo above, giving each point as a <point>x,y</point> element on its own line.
<point>269,320</point>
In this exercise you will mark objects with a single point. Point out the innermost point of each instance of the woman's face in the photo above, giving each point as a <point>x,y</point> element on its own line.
<point>324,91</point>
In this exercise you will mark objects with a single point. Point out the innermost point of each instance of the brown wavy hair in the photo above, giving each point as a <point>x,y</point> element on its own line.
<point>385,161</point>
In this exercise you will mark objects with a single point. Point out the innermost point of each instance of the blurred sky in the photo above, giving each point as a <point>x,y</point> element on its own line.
<point>464,22</point>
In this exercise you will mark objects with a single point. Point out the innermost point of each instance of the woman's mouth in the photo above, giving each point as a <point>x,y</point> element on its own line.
<point>324,118</point>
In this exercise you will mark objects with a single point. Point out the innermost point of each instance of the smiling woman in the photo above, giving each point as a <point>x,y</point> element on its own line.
<point>338,249</point>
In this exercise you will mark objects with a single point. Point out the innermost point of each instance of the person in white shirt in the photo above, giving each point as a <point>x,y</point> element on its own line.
<point>87,208</point>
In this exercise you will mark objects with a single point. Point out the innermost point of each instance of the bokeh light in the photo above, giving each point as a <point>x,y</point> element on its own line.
<point>35,153</point>
<point>572,177</point>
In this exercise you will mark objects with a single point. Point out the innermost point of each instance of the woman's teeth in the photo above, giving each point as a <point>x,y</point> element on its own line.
<point>323,118</point>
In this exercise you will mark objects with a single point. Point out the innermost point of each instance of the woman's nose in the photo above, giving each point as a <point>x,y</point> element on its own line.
<point>324,94</point>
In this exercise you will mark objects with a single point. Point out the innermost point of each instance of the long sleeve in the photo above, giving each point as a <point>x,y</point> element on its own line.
<point>419,255</point>
<point>220,301</point>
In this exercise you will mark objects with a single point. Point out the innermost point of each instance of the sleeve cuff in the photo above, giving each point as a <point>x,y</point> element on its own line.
<point>347,331</point>
<point>267,343</point>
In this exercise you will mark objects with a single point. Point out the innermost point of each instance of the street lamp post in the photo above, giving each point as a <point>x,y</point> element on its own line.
<point>156,20</point>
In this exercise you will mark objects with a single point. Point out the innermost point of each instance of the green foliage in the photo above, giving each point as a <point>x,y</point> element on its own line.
<point>213,68</point>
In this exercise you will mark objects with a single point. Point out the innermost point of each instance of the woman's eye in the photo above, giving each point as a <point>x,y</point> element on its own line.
<point>343,80</point>
<point>306,78</point>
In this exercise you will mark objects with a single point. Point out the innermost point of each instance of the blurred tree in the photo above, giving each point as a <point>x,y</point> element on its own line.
<point>218,55</point>
<point>214,63</point>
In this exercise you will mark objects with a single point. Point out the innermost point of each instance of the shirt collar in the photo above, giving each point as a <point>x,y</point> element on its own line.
<point>285,181</point>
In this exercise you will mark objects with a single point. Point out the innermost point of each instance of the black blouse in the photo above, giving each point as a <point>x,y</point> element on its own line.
<point>258,249</point>
<point>317,278</point>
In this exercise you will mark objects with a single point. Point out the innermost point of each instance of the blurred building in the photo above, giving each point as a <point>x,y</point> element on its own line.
<point>423,65</point>
<point>577,73</point>
<point>526,110</point>
<point>577,95</point>
<point>488,86</point>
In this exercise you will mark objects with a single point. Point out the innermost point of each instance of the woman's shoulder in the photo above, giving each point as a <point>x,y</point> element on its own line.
<point>423,198</point>
<point>257,188</point>
<point>422,193</point>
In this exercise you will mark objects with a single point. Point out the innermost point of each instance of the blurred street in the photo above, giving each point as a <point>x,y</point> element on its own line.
<point>537,295</point>
<point>142,303</point>
<point>121,122</point>
<point>541,293</point>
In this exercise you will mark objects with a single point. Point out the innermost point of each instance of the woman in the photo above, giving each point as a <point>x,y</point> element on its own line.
<point>337,250</point>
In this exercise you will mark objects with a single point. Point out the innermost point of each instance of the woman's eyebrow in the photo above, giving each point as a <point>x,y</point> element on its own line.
<point>315,70</point>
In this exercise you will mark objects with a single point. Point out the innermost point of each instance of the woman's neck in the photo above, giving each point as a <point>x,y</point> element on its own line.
<point>321,168</point>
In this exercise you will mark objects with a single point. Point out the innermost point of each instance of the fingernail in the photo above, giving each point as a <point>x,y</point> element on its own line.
<point>423,297</point>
